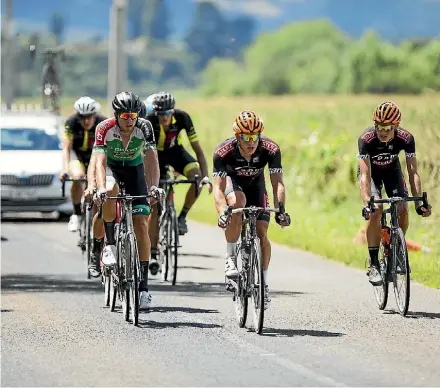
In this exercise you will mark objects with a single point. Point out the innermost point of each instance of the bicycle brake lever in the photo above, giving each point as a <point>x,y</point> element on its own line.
<point>281,208</point>
<point>425,200</point>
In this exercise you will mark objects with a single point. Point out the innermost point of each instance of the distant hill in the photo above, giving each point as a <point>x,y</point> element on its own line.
<point>392,19</point>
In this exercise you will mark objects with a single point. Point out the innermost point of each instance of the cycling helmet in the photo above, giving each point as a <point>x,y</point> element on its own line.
<point>247,121</point>
<point>143,112</point>
<point>126,102</point>
<point>387,113</point>
<point>149,103</point>
<point>86,106</point>
<point>163,101</point>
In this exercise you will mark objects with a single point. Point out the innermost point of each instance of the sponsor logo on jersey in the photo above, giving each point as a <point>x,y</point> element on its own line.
<point>248,171</point>
<point>225,149</point>
<point>269,146</point>
<point>369,136</point>
<point>383,159</point>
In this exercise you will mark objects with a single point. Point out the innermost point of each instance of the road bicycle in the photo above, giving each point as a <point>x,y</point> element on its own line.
<point>85,240</point>
<point>122,280</point>
<point>250,280</point>
<point>168,243</point>
<point>393,254</point>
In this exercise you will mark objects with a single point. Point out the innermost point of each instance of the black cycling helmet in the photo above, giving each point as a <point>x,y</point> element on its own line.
<point>143,111</point>
<point>163,101</point>
<point>126,102</point>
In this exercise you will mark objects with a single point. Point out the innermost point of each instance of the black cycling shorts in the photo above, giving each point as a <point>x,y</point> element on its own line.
<point>178,158</point>
<point>255,193</point>
<point>135,184</point>
<point>393,181</point>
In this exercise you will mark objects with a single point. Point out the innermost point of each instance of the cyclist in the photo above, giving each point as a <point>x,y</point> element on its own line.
<point>79,136</point>
<point>149,103</point>
<point>126,143</point>
<point>379,166</point>
<point>169,124</point>
<point>238,174</point>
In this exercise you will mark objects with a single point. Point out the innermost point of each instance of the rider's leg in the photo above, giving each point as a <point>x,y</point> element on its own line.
<point>236,198</point>
<point>190,171</point>
<point>76,171</point>
<point>109,215</point>
<point>262,226</point>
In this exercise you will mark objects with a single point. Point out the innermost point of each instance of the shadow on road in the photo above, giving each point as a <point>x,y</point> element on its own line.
<point>416,314</point>
<point>47,283</point>
<point>175,325</point>
<point>271,332</point>
<point>200,255</point>
<point>6,310</point>
<point>194,267</point>
<point>190,310</point>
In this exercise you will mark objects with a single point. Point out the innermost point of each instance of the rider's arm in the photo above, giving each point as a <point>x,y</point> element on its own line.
<point>195,144</point>
<point>100,152</point>
<point>276,177</point>
<point>415,181</point>
<point>364,170</point>
<point>200,157</point>
<point>67,145</point>
<point>219,184</point>
<point>91,172</point>
<point>151,166</point>
<point>151,161</point>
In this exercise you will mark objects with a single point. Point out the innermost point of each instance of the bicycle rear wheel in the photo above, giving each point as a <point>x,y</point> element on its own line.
<point>381,292</point>
<point>173,234</point>
<point>257,282</point>
<point>401,278</point>
<point>133,255</point>
<point>88,238</point>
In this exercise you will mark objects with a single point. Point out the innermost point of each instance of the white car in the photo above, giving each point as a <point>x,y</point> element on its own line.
<point>31,160</point>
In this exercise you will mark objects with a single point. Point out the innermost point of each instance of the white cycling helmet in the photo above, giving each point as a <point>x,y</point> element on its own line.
<point>86,106</point>
<point>149,102</point>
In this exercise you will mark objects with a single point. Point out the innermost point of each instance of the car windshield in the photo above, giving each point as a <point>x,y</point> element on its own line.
<point>28,139</point>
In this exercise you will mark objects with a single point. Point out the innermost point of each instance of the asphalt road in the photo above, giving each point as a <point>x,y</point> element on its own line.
<point>323,328</point>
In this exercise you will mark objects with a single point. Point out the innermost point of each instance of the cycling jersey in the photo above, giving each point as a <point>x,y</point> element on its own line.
<point>126,163</point>
<point>173,137</point>
<point>245,176</point>
<point>384,157</point>
<point>229,162</point>
<point>108,140</point>
<point>82,140</point>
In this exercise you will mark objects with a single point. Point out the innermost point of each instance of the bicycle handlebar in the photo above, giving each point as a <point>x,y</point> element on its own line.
<point>254,209</point>
<point>63,184</point>
<point>126,197</point>
<point>392,200</point>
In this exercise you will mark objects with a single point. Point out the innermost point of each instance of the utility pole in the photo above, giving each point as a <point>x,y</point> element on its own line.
<point>116,56</point>
<point>8,55</point>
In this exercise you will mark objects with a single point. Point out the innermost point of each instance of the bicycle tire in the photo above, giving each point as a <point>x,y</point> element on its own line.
<point>174,247</point>
<point>257,295</point>
<point>400,257</point>
<point>381,292</point>
<point>241,296</point>
<point>134,283</point>
<point>114,288</point>
<point>88,227</point>
<point>163,251</point>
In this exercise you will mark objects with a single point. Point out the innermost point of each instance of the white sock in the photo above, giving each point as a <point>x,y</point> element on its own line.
<point>265,276</point>
<point>231,248</point>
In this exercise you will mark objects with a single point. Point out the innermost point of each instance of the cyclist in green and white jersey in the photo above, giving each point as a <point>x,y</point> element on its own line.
<point>126,144</point>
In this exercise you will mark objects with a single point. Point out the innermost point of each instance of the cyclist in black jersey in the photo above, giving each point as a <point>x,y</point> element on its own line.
<point>79,136</point>
<point>239,164</point>
<point>169,125</point>
<point>379,166</point>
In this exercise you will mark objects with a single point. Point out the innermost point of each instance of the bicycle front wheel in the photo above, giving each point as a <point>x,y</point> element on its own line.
<point>133,255</point>
<point>257,295</point>
<point>88,238</point>
<point>241,295</point>
<point>381,292</point>
<point>163,250</point>
<point>401,278</point>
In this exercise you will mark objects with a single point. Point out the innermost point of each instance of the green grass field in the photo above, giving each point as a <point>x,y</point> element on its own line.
<point>318,138</point>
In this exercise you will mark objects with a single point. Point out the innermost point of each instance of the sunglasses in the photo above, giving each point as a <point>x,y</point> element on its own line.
<point>248,137</point>
<point>383,128</point>
<point>165,113</point>
<point>128,115</point>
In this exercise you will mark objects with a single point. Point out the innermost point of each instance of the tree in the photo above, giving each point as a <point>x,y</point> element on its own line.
<point>155,18</point>
<point>56,26</point>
